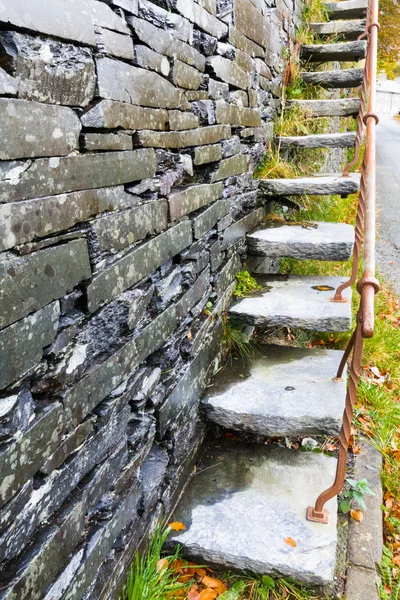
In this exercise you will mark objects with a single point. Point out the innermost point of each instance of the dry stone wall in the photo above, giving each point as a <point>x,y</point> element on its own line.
<point>130,130</point>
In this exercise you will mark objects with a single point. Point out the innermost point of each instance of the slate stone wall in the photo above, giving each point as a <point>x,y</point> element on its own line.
<point>130,130</point>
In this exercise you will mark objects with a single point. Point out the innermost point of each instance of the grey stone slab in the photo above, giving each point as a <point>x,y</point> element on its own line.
<point>297,301</point>
<point>22,459</point>
<point>283,392</point>
<point>164,42</point>
<point>115,232</point>
<point>226,274</point>
<point>320,140</point>
<point>251,22</point>
<point>342,52</point>
<point>344,78</point>
<point>131,6</point>
<point>69,444</point>
<point>192,198</point>
<point>31,129</point>
<point>185,76</point>
<point>8,84</point>
<point>202,18</point>
<point>349,30</point>
<point>321,185</point>
<point>365,539</point>
<point>217,90</point>
<point>362,584</point>
<point>107,141</point>
<point>189,387</point>
<point>148,59</point>
<point>15,505</point>
<point>237,115</point>
<point>229,72</point>
<point>184,139</point>
<point>58,175</point>
<point>317,241</point>
<point>346,107</point>
<point>71,21</point>
<point>179,121</point>
<point>237,39</point>
<point>247,499</point>
<point>180,27</point>
<point>104,377</point>
<point>21,222</point>
<point>125,83</point>
<point>237,230</point>
<point>194,294</point>
<point>48,70</point>
<point>136,265</point>
<point>347,9</point>
<point>30,282</point>
<point>234,165</point>
<point>114,43</point>
<point>111,115</point>
<point>207,219</point>
<point>207,154</point>
<point>23,343</point>
<point>104,16</point>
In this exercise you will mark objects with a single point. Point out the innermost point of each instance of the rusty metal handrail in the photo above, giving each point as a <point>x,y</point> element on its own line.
<point>368,285</point>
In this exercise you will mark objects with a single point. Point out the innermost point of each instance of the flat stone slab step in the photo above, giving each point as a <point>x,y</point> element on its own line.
<point>345,78</point>
<point>303,302</point>
<point>321,185</point>
<point>349,30</point>
<point>345,51</point>
<point>345,107</point>
<point>283,392</point>
<point>347,9</point>
<point>318,140</point>
<point>309,241</point>
<point>247,500</point>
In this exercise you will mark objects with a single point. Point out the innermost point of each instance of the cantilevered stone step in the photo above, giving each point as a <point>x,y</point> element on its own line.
<point>283,392</point>
<point>312,186</point>
<point>349,30</point>
<point>310,241</point>
<point>347,9</point>
<point>346,51</point>
<point>318,140</point>
<point>345,78</point>
<point>303,302</point>
<point>346,107</point>
<point>247,499</point>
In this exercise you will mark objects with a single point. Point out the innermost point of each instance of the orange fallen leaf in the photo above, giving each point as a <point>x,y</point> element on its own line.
<point>177,526</point>
<point>194,593</point>
<point>290,542</point>
<point>208,594</point>
<point>357,515</point>
<point>162,564</point>
<point>201,572</point>
<point>215,584</point>
<point>396,560</point>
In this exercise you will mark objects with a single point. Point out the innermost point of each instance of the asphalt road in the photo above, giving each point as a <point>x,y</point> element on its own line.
<point>388,199</point>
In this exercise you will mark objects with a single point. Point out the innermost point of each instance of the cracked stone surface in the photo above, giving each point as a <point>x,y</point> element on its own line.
<point>349,9</point>
<point>285,391</point>
<point>347,51</point>
<point>344,107</point>
<point>297,301</point>
<point>299,186</point>
<point>318,241</point>
<point>349,30</point>
<point>247,500</point>
<point>335,79</point>
<point>319,140</point>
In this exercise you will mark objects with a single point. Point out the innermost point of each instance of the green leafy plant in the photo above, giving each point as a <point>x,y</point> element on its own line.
<point>147,580</point>
<point>245,284</point>
<point>357,491</point>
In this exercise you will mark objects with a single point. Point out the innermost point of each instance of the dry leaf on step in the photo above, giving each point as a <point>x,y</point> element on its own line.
<point>357,515</point>
<point>215,584</point>
<point>290,542</point>
<point>177,526</point>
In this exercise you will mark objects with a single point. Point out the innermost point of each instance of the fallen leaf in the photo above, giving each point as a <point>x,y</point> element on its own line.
<point>396,560</point>
<point>177,526</point>
<point>330,447</point>
<point>290,542</point>
<point>201,572</point>
<point>194,593</point>
<point>162,564</point>
<point>388,589</point>
<point>357,515</point>
<point>208,594</point>
<point>215,584</point>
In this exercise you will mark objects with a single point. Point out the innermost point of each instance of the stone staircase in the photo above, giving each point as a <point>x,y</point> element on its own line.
<point>246,507</point>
